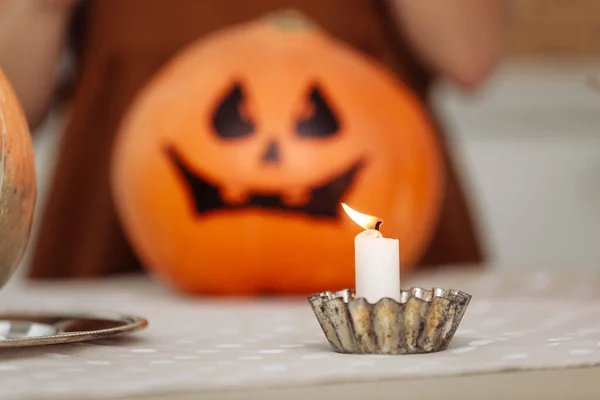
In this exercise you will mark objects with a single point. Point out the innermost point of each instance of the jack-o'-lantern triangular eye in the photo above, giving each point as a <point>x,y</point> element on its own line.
<point>229,120</point>
<point>318,120</point>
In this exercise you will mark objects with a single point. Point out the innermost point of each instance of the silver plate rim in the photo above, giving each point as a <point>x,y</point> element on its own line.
<point>130,323</point>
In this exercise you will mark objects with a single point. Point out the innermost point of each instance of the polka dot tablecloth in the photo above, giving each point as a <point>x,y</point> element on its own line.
<point>204,344</point>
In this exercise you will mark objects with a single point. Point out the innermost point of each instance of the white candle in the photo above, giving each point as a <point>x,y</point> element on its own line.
<point>377,266</point>
<point>376,261</point>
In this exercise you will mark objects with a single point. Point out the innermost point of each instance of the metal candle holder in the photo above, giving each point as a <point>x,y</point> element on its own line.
<point>423,321</point>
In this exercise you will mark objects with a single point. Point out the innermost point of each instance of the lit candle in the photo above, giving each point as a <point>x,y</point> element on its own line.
<point>376,260</point>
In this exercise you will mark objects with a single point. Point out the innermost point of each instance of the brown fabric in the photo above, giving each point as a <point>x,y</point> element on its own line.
<point>124,43</point>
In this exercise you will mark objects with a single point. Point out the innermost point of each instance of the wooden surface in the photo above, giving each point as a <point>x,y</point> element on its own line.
<point>555,27</point>
<point>579,383</point>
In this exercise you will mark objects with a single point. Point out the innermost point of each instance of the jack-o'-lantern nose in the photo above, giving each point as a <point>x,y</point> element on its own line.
<point>271,154</point>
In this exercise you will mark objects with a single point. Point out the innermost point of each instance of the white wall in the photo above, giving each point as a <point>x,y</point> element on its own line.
<point>529,145</point>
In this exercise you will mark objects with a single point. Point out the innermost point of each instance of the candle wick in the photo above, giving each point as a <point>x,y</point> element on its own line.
<point>377,225</point>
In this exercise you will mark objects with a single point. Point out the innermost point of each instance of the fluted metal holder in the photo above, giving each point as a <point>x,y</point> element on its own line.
<point>424,321</point>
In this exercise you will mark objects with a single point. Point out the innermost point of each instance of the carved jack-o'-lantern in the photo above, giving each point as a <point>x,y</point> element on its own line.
<point>230,168</point>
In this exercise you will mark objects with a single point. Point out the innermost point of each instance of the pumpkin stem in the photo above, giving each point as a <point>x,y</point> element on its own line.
<point>289,19</point>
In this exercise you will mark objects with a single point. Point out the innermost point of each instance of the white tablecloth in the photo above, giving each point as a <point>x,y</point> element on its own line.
<point>207,344</point>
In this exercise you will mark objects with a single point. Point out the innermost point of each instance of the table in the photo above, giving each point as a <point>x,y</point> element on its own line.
<point>521,337</point>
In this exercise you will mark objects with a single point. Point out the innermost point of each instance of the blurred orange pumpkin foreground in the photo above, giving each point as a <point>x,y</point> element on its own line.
<point>229,170</point>
<point>18,189</point>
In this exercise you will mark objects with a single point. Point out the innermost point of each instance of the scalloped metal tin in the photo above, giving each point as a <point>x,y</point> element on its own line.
<point>423,321</point>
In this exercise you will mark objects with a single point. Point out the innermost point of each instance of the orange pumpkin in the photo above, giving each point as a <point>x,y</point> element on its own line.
<point>17,181</point>
<point>229,170</point>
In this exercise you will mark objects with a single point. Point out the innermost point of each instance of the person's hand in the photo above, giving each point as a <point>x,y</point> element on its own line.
<point>462,39</point>
<point>10,7</point>
<point>61,3</point>
<point>58,5</point>
<point>40,27</point>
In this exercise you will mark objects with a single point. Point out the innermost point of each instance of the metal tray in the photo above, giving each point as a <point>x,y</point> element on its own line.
<point>36,328</point>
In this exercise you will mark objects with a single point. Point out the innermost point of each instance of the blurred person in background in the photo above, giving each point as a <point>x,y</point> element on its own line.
<point>118,44</point>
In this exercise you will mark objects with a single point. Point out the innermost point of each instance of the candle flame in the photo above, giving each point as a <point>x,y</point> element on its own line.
<point>364,220</point>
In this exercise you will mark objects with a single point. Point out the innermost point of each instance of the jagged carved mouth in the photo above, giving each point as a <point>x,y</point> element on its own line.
<point>323,201</point>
